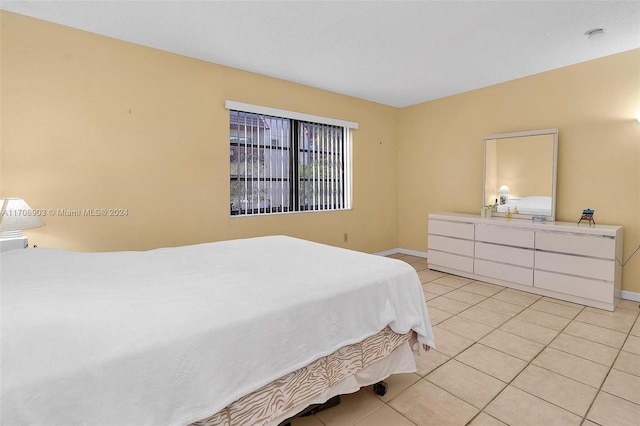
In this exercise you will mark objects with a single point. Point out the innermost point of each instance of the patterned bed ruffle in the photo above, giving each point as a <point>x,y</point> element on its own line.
<point>293,389</point>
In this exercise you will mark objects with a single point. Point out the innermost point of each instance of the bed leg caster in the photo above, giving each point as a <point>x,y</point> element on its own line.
<point>380,388</point>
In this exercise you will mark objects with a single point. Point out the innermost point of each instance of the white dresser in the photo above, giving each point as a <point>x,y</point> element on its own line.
<point>557,259</point>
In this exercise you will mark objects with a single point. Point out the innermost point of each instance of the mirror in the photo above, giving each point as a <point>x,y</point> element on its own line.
<point>520,173</point>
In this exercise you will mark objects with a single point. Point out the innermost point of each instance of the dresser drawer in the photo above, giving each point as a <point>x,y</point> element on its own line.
<point>505,254</point>
<point>451,229</point>
<point>578,264</point>
<point>598,269</point>
<point>451,245</point>
<point>505,235</point>
<point>515,274</point>
<point>448,260</point>
<point>585,245</point>
<point>577,286</point>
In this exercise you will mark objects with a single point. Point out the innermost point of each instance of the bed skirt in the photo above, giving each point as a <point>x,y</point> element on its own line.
<point>340,372</point>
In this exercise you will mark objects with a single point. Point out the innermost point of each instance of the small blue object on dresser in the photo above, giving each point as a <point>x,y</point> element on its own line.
<point>587,214</point>
<point>538,218</point>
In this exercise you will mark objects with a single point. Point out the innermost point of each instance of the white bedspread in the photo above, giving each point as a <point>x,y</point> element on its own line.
<point>171,336</point>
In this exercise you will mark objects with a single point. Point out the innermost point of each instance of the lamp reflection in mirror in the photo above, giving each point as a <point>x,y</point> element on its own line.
<point>504,192</point>
<point>16,215</point>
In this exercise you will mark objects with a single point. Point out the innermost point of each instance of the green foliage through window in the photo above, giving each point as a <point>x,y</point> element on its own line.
<point>284,165</point>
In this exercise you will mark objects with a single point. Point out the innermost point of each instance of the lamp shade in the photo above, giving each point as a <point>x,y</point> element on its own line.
<point>504,189</point>
<point>16,215</point>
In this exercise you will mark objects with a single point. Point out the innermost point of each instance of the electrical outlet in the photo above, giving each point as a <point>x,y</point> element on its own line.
<point>346,237</point>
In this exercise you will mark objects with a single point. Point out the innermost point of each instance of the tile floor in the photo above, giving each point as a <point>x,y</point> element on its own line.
<point>506,357</point>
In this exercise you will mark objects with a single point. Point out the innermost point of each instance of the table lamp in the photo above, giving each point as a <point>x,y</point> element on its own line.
<point>16,215</point>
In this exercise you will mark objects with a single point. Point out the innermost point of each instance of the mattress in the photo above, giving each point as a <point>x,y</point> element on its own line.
<point>174,335</point>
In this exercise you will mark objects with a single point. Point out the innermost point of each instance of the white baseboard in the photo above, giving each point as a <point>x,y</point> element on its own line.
<point>413,252</point>
<point>387,252</point>
<point>630,295</point>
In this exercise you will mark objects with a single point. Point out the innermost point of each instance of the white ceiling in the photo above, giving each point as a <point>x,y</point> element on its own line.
<point>397,53</point>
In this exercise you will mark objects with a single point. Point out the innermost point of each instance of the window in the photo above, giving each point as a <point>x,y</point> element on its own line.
<point>286,164</point>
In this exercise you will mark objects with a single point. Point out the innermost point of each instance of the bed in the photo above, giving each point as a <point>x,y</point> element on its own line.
<point>534,205</point>
<point>234,332</point>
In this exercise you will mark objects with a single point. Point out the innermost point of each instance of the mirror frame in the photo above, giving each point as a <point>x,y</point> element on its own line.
<point>554,132</point>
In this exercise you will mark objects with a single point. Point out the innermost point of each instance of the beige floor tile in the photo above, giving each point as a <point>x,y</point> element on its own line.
<point>449,343</point>
<point>556,389</point>
<point>429,361</point>
<point>426,404</point>
<point>428,295</point>
<point>511,344</point>
<point>587,349</point>
<point>449,305</point>
<point>454,281</point>
<point>543,319</point>
<point>352,408</point>
<point>632,345</point>
<point>484,316</point>
<point>409,258</point>
<point>517,297</point>
<point>561,310</point>
<point>306,421</point>
<point>623,385</point>
<point>529,330</point>
<point>572,366</point>
<point>436,316</point>
<point>619,324</point>
<point>420,265</point>
<point>483,419</point>
<point>461,376</point>
<point>620,312</point>
<point>397,384</point>
<point>630,305</point>
<point>468,384</point>
<point>399,256</point>
<point>596,334</point>
<point>563,302</point>
<point>628,362</point>
<point>466,328</point>
<point>385,416</point>
<point>609,410</point>
<point>483,289</point>
<point>437,288</point>
<point>429,275</point>
<point>500,307</point>
<point>515,407</point>
<point>462,295</point>
<point>492,362</point>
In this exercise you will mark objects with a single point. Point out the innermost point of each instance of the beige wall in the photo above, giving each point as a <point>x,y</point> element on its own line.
<point>593,105</point>
<point>92,122</point>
